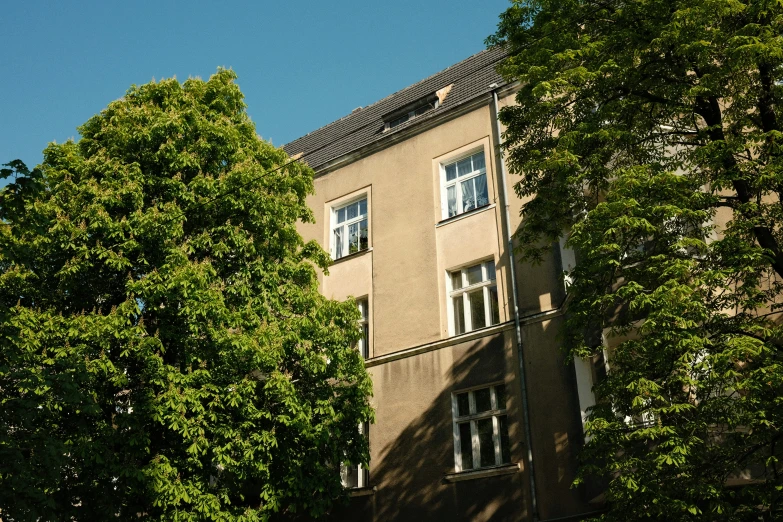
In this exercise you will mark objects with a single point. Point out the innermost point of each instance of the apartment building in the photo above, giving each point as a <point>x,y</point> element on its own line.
<point>478,414</point>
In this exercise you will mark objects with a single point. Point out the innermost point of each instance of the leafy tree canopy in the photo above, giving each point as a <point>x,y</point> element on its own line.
<point>164,350</point>
<point>650,130</point>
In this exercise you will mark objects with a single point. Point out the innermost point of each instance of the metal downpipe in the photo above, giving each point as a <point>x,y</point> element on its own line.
<point>514,292</point>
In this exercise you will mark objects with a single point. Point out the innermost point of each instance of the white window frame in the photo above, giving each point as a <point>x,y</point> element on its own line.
<point>485,284</point>
<point>345,226</point>
<point>495,413</point>
<point>364,323</point>
<point>457,182</point>
<point>567,261</point>
<point>362,473</point>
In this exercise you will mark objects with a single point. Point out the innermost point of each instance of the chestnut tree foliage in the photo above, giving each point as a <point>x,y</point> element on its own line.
<point>164,351</point>
<point>650,132</point>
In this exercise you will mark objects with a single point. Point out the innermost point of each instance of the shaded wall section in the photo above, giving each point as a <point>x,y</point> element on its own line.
<point>555,420</point>
<point>412,445</point>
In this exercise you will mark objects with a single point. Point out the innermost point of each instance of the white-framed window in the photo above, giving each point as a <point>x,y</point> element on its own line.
<point>464,185</point>
<point>364,342</point>
<point>480,428</point>
<point>349,228</point>
<point>356,476</point>
<point>473,297</point>
<point>567,261</point>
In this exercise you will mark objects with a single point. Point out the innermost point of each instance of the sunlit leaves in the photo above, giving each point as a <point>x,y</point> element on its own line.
<point>649,131</point>
<point>164,350</point>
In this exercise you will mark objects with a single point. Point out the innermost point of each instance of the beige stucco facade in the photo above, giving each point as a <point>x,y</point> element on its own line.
<point>417,363</point>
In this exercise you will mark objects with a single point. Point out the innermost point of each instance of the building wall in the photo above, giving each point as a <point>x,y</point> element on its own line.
<point>412,445</point>
<point>416,365</point>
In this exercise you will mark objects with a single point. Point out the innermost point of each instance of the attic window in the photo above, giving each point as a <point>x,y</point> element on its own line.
<point>410,112</point>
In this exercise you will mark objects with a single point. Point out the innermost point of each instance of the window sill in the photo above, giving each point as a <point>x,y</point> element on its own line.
<point>505,469</point>
<point>464,215</point>
<point>363,492</point>
<point>351,256</point>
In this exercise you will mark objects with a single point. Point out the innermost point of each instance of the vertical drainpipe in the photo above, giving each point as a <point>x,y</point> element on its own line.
<point>512,270</point>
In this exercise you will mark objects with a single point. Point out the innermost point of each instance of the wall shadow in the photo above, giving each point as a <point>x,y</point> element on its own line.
<point>556,422</point>
<point>413,447</point>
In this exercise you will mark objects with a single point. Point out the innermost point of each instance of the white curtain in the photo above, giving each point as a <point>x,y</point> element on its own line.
<point>338,242</point>
<point>468,196</point>
<point>481,191</point>
<point>353,238</point>
<point>451,194</point>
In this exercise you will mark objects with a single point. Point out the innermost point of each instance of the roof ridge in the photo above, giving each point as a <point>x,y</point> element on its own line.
<point>411,86</point>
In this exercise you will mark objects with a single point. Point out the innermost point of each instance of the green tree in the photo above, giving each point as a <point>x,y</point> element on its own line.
<point>164,350</point>
<point>650,131</point>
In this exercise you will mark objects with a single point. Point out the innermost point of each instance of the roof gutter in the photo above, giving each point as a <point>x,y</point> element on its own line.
<point>518,329</point>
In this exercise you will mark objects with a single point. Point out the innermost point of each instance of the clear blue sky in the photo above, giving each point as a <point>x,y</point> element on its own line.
<point>301,64</point>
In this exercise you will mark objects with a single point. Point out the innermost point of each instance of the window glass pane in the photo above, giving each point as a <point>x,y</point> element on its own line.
<point>451,196</point>
<point>482,399</point>
<point>493,305</point>
<point>364,339</point>
<point>474,274</point>
<point>482,198</point>
<point>477,315</point>
<point>363,241</point>
<point>353,238</point>
<point>486,444</point>
<point>341,215</point>
<point>456,280</point>
<point>459,315</point>
<point>478,161</point>
<point>500,396</point>
<point>353,210</point>
<point>490,270</point>
<point>398,121</point>
<point>463,404</point>
<point>350,476</point>
<point>363,207</point>
<point>468,197</point>
<point>464,167</point>
<point>451,171</point>
<point>338,242</point>
<point>505,444</point>
<point>424,108</point>
<point>364,348</point>
<point>466,446</point>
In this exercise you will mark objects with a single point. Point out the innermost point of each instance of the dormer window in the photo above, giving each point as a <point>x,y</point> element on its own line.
<point>411,111</point>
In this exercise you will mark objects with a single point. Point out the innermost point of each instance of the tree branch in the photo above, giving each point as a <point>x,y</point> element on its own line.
<point>709,109</point>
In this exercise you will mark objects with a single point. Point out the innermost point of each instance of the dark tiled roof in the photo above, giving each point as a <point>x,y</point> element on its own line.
<point>471,78</point>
